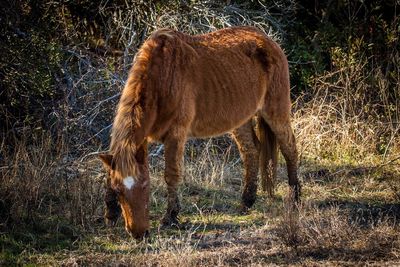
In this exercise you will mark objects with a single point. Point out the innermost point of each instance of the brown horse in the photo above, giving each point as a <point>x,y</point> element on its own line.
<point>184,86</point>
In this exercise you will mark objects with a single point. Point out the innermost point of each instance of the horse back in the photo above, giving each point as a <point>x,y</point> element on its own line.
<point>228,78</point>
<point>210,83</point>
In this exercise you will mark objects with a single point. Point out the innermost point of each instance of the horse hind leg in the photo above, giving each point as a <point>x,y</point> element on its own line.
<point>287,144</point>
<point>247,143</point>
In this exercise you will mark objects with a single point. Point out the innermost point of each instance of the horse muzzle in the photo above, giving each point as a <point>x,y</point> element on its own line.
<point>138,235</point>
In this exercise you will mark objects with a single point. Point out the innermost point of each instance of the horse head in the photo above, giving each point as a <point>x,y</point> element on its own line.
<point>132,189</point>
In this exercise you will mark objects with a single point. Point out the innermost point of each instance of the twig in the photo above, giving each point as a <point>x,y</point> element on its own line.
<point>92,154</point>
<point>158,151</point>
<point>389,162</point>
<point>103,101</point>
<point>105,128</point>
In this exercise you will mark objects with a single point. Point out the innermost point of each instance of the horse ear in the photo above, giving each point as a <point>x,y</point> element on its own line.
<point>106,159</point>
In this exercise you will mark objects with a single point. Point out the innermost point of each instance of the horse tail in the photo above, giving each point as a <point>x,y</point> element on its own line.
<point>268,156</point>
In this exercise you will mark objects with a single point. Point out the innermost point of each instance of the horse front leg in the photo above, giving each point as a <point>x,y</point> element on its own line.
<point>174,148</point>
<point>112,207</point>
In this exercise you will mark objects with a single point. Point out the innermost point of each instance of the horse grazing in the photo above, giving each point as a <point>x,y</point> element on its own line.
<point>183,86</point>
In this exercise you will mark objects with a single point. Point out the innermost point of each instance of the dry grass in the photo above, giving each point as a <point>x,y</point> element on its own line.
<point>344,122</point>
<point>346,218</point>
<point>51,187</point>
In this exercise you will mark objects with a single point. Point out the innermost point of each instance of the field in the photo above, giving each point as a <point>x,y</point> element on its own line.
<point>349,213</point>
<point>62,67</point>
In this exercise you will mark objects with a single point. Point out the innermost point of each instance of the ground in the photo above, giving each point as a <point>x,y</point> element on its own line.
<point>349,215</point>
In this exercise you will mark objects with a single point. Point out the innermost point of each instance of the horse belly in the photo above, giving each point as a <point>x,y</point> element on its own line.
<point>215,128</point>
<point>224,118</point>
<point>229,90</point>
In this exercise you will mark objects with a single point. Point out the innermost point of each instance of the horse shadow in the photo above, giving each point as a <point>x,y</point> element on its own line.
<point>225,200</point>
<point>363,210</point>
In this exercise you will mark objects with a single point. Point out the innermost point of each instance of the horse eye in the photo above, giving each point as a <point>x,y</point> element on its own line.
<point>145,184</point>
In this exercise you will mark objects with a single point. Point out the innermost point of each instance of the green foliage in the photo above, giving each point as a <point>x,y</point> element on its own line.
<point>30,61</point>
<point>321,28</point>
<point>36,35</point>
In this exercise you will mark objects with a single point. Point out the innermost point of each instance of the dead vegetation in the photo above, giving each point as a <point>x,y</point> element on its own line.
<point>347,127</point>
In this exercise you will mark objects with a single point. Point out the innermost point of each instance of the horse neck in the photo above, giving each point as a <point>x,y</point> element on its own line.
<point>137,109</point>
<point>129,128</point>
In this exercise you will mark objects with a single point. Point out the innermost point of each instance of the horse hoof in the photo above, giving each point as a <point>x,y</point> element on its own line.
<point>168,222</point>
<point>244,209</point>
<point>111,222</point>
<point>248,202</point>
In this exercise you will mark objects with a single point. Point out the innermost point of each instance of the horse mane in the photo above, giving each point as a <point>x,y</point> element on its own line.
<point>130,125</point>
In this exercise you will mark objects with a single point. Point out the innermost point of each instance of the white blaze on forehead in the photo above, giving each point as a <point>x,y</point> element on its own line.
<point>129,182</point>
